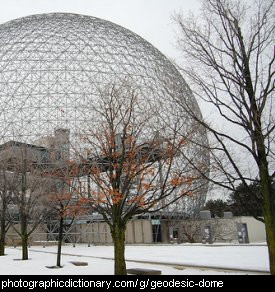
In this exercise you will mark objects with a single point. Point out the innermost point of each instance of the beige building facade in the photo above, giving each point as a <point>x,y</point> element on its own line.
<point>144,231</point>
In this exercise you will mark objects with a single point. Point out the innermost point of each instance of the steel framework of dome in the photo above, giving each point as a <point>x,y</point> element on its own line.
<point>53,68</point>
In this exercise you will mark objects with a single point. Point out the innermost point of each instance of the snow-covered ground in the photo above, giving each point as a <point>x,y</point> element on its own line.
<point>99,259</point>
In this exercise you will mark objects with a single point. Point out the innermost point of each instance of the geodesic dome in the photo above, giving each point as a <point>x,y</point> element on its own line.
<point>53,67</point>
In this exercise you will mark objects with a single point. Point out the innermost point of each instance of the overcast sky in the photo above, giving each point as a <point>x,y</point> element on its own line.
<point>151,19</point>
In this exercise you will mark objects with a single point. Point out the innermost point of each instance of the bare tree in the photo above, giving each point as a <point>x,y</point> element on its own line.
<point>65,201</point>
<point>191,230</point>
<point>7,181</point>
<point>132,168</point>
<point>229,55</point>
<point>30,191</point>
<point>223,230</point>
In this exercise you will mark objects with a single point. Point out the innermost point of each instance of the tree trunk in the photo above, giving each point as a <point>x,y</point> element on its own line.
<point>60,238</point>
<point>118,235</point>
<point>269,212</point>
<point>270,236</point>
<point>24,237</point>
<point>3,231</point>
<point>2,237</point>
<point>266,190</point>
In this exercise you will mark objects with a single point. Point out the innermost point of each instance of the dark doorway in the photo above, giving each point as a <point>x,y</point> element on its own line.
<point>157,233</point>
<point>207,234</point>
<point>242,233</point>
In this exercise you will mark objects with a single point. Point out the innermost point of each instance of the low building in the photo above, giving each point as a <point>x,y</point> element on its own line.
<point>243,229</point>
<point>229,229</point>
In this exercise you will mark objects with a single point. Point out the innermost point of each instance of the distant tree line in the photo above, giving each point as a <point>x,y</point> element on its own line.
<point>241,202</point>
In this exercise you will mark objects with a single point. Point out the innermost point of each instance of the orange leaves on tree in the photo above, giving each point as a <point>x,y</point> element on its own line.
<point>113,176</point>
<point>115,155</point>
<point>110,195</point>
<point>189,180</point>
<point>116,196</point>
<point>74,210</point>
<point>146,186</point>
<point>181,180</point>
<point>84,201</point>
<point>182,142</point>
<point>170,151</point>
<point>149,171</point>
<point>176,181</point>
<point>99,197</point>
<point>130,139</point>
<point>95,171</point>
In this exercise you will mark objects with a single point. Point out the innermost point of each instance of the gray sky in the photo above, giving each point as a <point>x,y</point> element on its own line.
<point>151,19</point>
